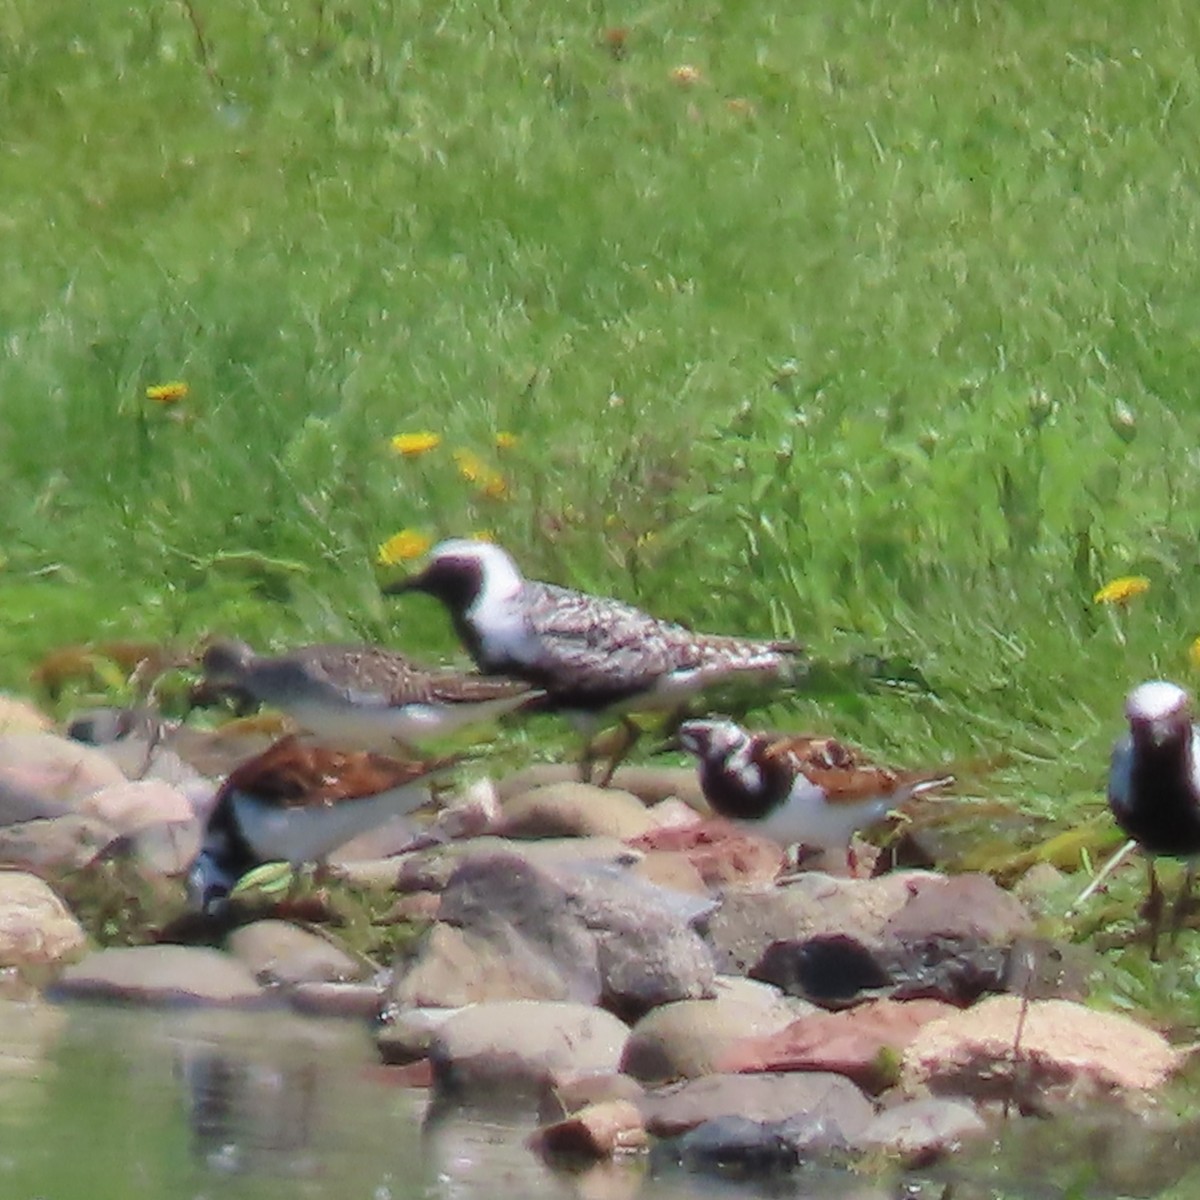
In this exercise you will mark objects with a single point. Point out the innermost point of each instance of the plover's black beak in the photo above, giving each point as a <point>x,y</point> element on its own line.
<point>409,583</point>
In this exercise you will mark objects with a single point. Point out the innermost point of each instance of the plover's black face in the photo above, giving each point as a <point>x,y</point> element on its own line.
<point>1159,714</point>
<point>461,571</point>
<point>225,659</point>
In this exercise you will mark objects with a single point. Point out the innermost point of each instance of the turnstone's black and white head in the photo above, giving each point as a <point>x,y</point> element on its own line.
<point>295,803</point>
<point>592,654</point>
<point>358,697</point>
<point>1154,782</point>
<point>797,789</point>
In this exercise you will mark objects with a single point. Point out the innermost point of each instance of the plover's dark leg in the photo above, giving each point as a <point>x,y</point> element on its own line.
<point>630,732</point>
<point>1152,910</point>
<point>1185,901</point>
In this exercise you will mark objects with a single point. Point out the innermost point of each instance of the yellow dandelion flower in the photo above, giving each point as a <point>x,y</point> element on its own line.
<point>1194,653</point>
<point>494,486</point>
<point>470,465</point>
<point>412,445</point>
<point>168,393</point>
<point>1122,590</point>
<point>402,547</point>
<point>505,440</point>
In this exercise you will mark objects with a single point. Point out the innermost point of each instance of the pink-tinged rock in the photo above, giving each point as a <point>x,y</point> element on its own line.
<point>54,769</point>
<point>721,853</point>
<point>19,716</point>
<point>964,906</point>
<point>36,927</point>
<point>818,1096</point>
<point>1056,1052</point>
<point>673,813</point>
<point>920,1132</point>
<point>863,1043</point>
<point>601,1130</point>
<point>522,1044</point>
<point>137,804</point>
<point>669,869</point>
<point>573,809</point>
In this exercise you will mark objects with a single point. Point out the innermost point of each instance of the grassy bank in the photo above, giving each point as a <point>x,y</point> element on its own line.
<point>877,326</point>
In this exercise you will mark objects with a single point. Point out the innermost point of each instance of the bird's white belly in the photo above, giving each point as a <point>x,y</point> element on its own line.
<point>380,726</point>
<point>806,817</point>
<point>299,835</point>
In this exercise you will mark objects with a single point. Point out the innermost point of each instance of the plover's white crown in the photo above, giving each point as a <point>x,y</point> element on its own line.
<point>1154,700</point>
<point>723,736</point>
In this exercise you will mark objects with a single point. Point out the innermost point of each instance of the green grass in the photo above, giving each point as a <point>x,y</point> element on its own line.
<point>839,360</point>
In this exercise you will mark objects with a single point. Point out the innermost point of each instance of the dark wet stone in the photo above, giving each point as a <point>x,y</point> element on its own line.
<point>760,1098</point>
<point>736,1145</point>
<point>832,971</point>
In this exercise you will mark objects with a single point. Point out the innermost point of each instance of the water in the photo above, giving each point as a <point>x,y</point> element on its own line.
<point>99,1101</point>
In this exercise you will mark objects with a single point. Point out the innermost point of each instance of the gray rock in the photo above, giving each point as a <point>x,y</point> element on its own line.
<point>456,967</point>
<point>522,1044</point>
<point>408,1035</point>
<point>815,1095</point>
<point>429,870</point>
<point>965,907</point>
<point>50,771</point>
<point>36,927</point>
<point>510,929</point>
<point>919,1132</point>
<point>686,1039</point>
<point>160,975</point>
<point>278,952</point>
<point>573,809</point>
<point>56,844</point>
<point>750,920</point>
<point>649,784</point>
<point>362,1001</point>
<point>20,716</point>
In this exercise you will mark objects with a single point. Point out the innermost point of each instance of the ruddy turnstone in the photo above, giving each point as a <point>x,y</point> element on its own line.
<point>796,789</point>
<point>1154,789</point>
<point>295,803</point>
<point>357,697</point>
<point>592,655</point>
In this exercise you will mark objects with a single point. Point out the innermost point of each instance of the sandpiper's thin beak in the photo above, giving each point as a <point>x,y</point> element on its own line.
<point>670,745</point>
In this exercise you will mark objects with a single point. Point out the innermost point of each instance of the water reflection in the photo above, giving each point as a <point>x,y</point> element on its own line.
<point>247,1116</point>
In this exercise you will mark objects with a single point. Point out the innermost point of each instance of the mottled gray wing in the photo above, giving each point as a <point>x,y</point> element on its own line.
<point>360,672</point>
<point>601,647</point>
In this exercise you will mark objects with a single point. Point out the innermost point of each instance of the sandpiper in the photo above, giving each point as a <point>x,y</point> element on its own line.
<point>1154,789</point>
<point>593,656</point>
<point>357,697</point>
<point>295,803</point>
<point>801,790</point>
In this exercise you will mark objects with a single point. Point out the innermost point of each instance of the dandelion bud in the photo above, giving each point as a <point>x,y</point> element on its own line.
<point>1041,408</point>
<point>1122,421</point>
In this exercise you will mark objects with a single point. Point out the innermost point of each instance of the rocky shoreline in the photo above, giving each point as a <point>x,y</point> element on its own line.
<point>629,970</point>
